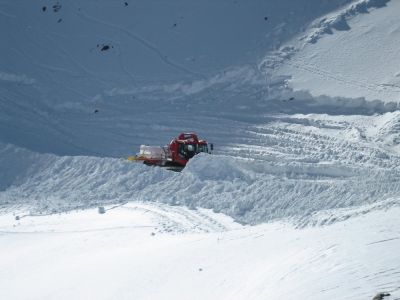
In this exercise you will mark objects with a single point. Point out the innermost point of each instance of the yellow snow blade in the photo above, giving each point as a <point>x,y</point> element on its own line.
<point>136,158</point>
<point>132,158</point>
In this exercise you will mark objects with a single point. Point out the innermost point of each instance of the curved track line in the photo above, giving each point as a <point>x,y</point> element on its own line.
<point>145,43</point>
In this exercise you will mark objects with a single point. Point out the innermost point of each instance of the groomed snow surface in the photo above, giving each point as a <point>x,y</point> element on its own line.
<point>300,199</point>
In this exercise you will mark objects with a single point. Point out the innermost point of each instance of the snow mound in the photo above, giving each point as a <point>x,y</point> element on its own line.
<point>251,191</point>
<point>215,168</point>
<point>46,182</point>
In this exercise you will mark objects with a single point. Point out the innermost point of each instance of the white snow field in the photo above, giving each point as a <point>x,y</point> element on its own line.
<point>152,251</point>
<point>300,199</point>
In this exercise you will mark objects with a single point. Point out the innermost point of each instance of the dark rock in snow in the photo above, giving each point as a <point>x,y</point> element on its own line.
<point>126,4</point>
<point>44,8</point>
<point>56,7</point>
<point>101,210</point>
<point>105,48</point>
<point>59,20</point>
<point>380,296</point>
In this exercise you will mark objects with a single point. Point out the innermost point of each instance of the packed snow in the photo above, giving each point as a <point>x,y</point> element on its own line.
<point>299,199</point>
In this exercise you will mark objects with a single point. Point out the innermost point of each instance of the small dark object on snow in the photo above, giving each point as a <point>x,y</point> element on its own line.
<point>291,98</point>
<point>96,111</point>
<point>126,3</point>
<point>265,18</point>
<point>380,296</point>
<point>104,48</point>
<point>200,269</point>
<point>56,7</point>
<point>101,210</point>
<point>174,25</point>
<point>17,218</point>
<point>153,234</point>
<point>44,8</point>
<point>59,20</point>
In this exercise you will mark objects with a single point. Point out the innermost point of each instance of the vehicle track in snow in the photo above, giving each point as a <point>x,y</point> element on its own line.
<point>177,219</point>
<point>291,139</point>
<point>153,217</point>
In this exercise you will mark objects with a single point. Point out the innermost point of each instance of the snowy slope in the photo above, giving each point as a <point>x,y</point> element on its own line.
<point>53,72</point>
<point>351,53</point>
<point>307,140</point>
<point>56,77</point>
